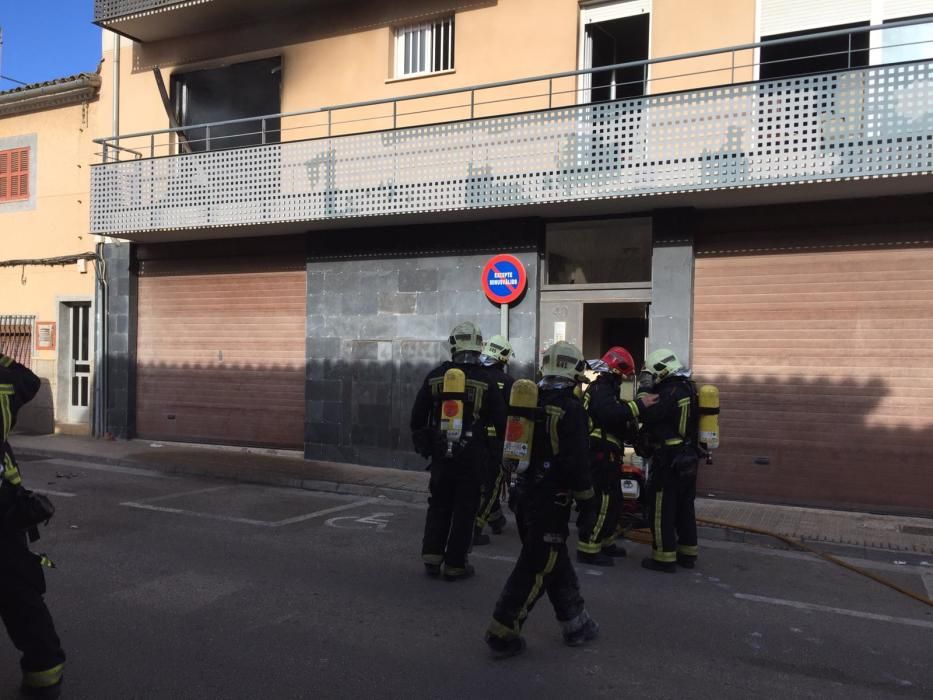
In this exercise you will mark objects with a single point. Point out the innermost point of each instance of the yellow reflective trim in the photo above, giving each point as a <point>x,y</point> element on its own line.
<point>688,550</point>
<point>670,442</point>
<point>10,471</point>
<point>554,415</point>
<point>497,629</point>
<point>538,585</point>
<point>43,679</point>
<point>601,434</point>
<point>7,415</point>
<point>432,558</point>
<point>664,557</point>
<point>684,411</point>
<point>656,535</point>
<point>583,495</point>
<point>5,361</point>
<point>483,516</point>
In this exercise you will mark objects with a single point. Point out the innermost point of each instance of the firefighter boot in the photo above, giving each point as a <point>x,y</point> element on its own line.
<point>615,551</point>
<point>47,691</point>
<point>686,561</point>
<point>655,565</point>
<point>479,537</point>
<point>498,524</point>
<point>504,648</point>
<point>432,570</point>
<point>579,630</point>
<point>458,574</point>
<point>595,558</point>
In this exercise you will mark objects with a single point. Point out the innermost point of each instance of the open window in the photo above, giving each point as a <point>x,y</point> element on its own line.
<point>422,49</point>
<point>611,34</point>
<point>239,91</point>
<point>819,55</point>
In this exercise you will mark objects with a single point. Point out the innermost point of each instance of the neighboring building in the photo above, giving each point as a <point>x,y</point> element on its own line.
<point>47,255</point>
<point>292,260</point>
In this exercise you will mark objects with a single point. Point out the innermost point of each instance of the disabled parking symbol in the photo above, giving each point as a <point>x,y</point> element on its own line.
<point>376,521</point>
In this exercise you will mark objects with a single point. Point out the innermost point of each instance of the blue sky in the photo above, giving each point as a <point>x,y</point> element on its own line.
<point>45,39</point>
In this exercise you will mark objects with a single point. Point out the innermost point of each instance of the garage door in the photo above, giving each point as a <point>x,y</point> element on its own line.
<point>220,352</point>
<point>824,357</point>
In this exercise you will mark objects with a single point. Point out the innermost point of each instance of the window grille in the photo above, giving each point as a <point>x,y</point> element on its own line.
<point>424,48</point>
<point>16,337</point>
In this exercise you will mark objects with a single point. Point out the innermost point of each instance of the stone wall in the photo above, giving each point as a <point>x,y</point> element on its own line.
<point>120,394</point>
<point>377,324</point>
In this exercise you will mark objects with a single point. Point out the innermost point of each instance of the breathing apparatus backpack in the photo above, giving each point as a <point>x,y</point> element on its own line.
<point>520,426</point>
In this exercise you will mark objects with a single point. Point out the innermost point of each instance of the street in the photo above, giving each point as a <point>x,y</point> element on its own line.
<point>190,588</point>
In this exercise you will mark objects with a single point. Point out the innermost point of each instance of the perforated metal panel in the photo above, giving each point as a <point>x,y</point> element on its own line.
<point>112,9</point>
<point>869,123</point>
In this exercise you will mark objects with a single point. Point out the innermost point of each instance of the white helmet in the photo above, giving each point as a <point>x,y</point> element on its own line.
<point>465,338</point>
<point>497,349</point>
<point>563,360</point>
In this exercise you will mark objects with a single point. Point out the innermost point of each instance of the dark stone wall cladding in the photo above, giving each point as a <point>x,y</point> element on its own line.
<point>376,327</point>
<point>121,309</point>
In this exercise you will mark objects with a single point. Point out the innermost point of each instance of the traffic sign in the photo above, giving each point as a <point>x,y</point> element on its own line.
<point>504,279</point>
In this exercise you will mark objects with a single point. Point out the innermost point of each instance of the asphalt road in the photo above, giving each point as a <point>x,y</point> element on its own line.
<point>171,587</point>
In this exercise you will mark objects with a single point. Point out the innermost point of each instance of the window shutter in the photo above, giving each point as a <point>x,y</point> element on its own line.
<point>4,175</point>
<point>785,16</point>
<point>14,174</point>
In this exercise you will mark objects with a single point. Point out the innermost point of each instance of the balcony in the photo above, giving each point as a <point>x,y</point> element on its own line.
<point>524,143</point>
<point>153,20</point>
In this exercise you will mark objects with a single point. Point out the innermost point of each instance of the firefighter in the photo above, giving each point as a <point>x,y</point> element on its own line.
<point>495,358</point>
<point>456,466</point>
<point>557,474</point>
<point>670,441</point>
<point>611,424</point>
<point>22,581</point>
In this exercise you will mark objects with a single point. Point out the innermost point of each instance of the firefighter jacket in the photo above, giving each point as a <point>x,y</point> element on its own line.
<point>560,456</point>
<point>504,383</point>
<point>484,405</point>
<point>18,385</point>
<point>673,420</point>
<point>611,420</point>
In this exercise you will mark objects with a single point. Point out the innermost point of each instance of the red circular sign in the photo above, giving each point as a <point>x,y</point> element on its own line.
<point>504,279</point>
<point>451,409</point>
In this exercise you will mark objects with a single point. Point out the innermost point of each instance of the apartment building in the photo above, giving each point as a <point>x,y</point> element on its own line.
<point>302,197</point>
<point>47,255</point>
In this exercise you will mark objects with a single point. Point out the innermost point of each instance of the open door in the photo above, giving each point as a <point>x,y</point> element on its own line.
<point>611,33</point>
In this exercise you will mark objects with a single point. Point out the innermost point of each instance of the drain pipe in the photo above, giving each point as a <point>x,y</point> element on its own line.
<point>116,94</point>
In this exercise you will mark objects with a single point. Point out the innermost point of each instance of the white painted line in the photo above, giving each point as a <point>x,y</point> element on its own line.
<point>838,611</point>
<point>246,521</point>
<point>326,511</point>
<point>93,466</point>
<point>196,514</point>
<point>50,492</point>
<point>927,577</point>
<point>196,492</point>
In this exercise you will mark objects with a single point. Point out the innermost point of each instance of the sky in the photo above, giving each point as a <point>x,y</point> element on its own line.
<point>46,39</point>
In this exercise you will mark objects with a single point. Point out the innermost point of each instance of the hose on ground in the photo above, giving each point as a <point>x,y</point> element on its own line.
<point>644,536</point>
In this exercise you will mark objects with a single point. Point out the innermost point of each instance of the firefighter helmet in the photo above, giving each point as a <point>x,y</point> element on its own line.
<point>497,349</point>
<point>465,338</point>
<point>620,361</point>
<point>663,363</point>
<point>563,360</point>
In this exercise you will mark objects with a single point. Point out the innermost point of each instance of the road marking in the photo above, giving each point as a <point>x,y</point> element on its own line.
<point>93,466</point>
<point>927,577</point>
<point>326,511</point>
<point>50,492</point>
<point>377,519</point>
<point>838,611</point>
<point>246,521</point>
<point>196,492</point>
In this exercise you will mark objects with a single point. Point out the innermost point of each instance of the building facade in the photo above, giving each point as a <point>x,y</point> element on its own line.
<point>47,255</point>
<point>302,199</point>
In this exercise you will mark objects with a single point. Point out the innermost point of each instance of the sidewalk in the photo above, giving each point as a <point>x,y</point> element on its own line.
<point>289,469</point>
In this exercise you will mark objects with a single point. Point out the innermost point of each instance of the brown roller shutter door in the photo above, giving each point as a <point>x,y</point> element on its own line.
<point>824,358</point>
<point>221,352</point>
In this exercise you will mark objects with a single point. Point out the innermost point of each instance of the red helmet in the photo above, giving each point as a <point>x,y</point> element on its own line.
<point>620,360</point>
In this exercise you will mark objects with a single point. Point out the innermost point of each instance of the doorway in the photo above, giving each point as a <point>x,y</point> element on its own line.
<point>610,34</point>
<point>74,358</point>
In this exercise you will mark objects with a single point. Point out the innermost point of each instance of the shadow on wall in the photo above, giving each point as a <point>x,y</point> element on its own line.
<point>815,442</point>
<point>38,416</point>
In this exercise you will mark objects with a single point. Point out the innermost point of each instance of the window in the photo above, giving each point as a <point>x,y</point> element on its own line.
<point>424,48</point>
<point>239,91</point>
<point>598,251</point>
<point>14,174</point>
<point>814,55</point>
<point>912,43</point>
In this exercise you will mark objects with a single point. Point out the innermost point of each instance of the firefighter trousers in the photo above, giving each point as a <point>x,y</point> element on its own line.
<point>543,566</point>
<point>24,613</point>
<point>672,515</point>
<point>597,525</point>
<point>448,527</point>
<point>490,507</point>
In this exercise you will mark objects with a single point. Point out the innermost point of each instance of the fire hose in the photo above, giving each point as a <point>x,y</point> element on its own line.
<point>644,536</point>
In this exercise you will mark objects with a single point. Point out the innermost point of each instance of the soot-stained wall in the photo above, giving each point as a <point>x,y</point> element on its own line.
<point>378,322</point>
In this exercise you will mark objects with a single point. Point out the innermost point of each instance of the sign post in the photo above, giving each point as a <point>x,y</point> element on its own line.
<point>504,281</point>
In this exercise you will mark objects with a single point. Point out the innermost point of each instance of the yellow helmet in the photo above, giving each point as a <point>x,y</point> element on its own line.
<point>465,338</point>
<point>498,349</point>
<point>563,360</point>
<point>662,364</point>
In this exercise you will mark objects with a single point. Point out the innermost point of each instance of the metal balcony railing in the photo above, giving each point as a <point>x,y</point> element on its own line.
<point>108,10</point>
<point>707,124</point>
